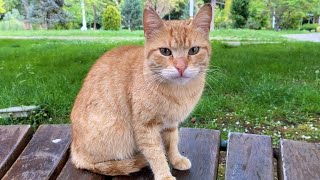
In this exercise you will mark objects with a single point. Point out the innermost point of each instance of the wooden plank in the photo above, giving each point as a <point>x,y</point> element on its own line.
<point>13,139</point>
<point>201,146</point>
<point>299,160</point>
<point>44,156</point>
<point>249,157</point>
<point>70,172</point>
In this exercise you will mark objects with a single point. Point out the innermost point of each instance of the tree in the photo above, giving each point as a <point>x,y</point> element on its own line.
<point>131,12</point>
<point>259,14</point>
<point>11,4</point>
<point>163,7</point>
<point>2,10</point>
<point>226,10</point>
<point>111,19</point>
<point>239,13</point>
<point>48,13</point>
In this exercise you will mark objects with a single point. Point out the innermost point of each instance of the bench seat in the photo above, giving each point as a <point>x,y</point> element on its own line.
<point>45,155</point>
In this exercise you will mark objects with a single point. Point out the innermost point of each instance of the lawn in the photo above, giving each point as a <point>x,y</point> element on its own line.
<point>229,34</point>
<point>268,89</point>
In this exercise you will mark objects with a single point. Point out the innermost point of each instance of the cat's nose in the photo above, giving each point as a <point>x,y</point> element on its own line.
<point>181,65</point>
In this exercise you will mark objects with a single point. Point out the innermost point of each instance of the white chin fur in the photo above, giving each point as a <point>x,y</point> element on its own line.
<point>173,75</point>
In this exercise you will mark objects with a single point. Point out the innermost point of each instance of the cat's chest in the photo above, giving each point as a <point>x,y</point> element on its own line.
<point>176,109</point>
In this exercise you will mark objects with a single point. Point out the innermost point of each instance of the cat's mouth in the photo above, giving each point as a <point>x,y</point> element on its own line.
<point>181,80</point>
<point>175,77</point>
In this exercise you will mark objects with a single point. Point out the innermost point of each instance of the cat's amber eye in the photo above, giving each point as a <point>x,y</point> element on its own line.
<point>193,50</point>
<point>165,51</point>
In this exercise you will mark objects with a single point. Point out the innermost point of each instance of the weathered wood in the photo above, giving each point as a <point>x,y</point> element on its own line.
<point>249,157</point>
<point>201,146</point>
<point>13,139</point>
<point>299,160</point>
<point>44,156</point>
<point>70,172</point>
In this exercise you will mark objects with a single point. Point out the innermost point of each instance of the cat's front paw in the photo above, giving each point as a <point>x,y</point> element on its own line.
<point>164,178</point>
<point>181,163</point>
<point>169,178</point>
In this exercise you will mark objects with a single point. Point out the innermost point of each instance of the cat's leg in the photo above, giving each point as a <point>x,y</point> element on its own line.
<point>149,141</point>
<point>171,139</point>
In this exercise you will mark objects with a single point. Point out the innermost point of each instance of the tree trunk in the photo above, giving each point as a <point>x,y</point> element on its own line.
<point>95,16</point>
<point>273,19</point>
<point>27,14</point>
<point>191,7</point>
<point>84,23</point>
<point>213,4</point>
<point>319,20</point>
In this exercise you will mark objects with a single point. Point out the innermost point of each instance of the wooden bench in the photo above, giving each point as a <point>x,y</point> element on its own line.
<point>45,155</point>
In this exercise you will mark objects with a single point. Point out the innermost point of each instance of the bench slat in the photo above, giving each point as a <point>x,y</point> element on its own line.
<point>201,146</point>
<point>13,139</point>
<point>70,172</point>
<point>299,160</point>
<point>44,156</point>
<point>249,157</point>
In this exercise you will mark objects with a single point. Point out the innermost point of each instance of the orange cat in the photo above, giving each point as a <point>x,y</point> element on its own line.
<point>127,113</point>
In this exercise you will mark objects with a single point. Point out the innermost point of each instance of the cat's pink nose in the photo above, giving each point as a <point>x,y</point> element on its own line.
<point>181,65</point>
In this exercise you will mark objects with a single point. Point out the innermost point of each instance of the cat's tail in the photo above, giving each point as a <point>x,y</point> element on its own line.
<point>120,167</point>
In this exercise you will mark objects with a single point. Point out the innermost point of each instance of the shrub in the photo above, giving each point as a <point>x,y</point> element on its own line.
<point>309,27</point>
<point>253,24</point>
<point>12,20</point>
<point>111,18</point>
<point>239,12</point>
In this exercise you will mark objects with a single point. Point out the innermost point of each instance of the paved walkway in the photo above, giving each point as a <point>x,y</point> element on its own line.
<point>312,37</point>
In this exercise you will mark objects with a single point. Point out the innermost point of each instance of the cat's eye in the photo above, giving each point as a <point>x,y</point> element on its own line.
<point>165,51</point>
<point>193,50</point>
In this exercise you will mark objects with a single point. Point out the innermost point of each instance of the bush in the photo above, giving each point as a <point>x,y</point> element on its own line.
<point>309,27</point>
<point>253,24</point>
<point>111,18</point>
<point>239,13</point>
<point>12,20</point>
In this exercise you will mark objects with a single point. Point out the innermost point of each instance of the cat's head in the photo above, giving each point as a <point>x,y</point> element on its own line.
<point>177,51</point>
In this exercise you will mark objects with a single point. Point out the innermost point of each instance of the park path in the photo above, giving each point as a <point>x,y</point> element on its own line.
<point>312,37</point>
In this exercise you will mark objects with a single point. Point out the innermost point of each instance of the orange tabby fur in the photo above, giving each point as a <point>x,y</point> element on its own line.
<point>127,113</point>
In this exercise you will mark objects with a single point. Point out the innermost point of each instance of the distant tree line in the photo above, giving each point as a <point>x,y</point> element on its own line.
<point>268,14</point>
<point>127,14</point>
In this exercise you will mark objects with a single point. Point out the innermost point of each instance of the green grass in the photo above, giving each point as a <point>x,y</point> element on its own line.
<point>228,34</point>
<point>265,89</point>
<point>90,33</point>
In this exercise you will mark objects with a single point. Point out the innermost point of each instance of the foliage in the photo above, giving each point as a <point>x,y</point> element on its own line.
<point>258,15</point>
<point>163,7</point>
<point>2,10</point>
<point>131,12</point>
<point>309,27</point>
<point>11,4</point>
<point>226,10</point>
<point>220,22</point>
<point>239,13</point>
<point>12,21</point>
<point>288,13</point>
<point>111,18</point>
<point>48,13</point>
<point>186,7</point>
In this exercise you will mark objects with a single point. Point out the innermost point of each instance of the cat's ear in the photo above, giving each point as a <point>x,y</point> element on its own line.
<point>203,19</point>
<point>151,22</point>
